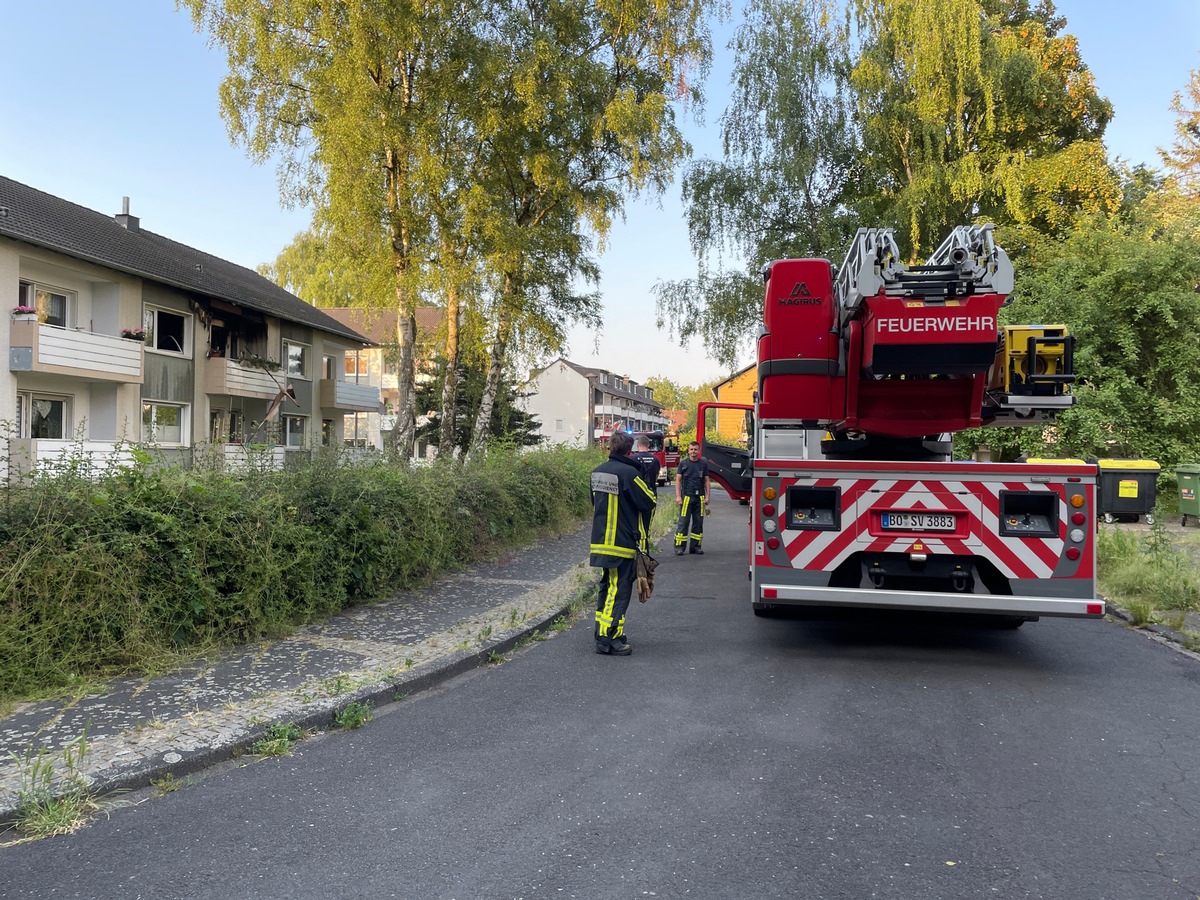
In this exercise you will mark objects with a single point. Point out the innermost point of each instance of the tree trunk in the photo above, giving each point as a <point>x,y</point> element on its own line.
<point>491,385</point>
<point>450,383</point>
<point>404,432</point>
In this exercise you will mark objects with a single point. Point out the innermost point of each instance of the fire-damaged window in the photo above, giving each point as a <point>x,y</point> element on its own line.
<point>167,331</point>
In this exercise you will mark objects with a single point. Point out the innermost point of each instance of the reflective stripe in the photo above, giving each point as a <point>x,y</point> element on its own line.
<point>610,526</point>
<point>613,550</point>
<point>649,493</point>
<point>604,619</point>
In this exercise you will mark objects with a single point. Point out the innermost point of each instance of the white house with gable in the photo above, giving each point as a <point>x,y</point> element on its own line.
<point>580,406</point>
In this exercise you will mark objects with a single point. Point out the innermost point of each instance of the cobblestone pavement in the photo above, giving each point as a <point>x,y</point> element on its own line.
<point>140,730</point>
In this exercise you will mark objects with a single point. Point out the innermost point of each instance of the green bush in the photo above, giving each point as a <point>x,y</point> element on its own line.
<point>1144,574</point>
<point>124,571</point>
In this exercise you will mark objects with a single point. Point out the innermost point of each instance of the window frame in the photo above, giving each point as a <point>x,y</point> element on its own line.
<point>182,412</point>
<point>25,401</point>
<point>357,366</point>
<point>150,324</point>
<point>290,426</point>
<point>27,295</point>
<point>306,359</point>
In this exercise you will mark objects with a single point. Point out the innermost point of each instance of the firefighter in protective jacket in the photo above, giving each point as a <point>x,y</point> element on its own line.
<point>619,499</point>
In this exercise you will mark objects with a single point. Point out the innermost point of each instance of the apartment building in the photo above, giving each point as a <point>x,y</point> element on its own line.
<point>119,335</point>
<point>581,406</point>
<point>376,364</point>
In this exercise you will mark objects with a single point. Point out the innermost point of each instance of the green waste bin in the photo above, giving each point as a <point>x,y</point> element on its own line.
<point>1188,476</point>
<point>1128,489</point>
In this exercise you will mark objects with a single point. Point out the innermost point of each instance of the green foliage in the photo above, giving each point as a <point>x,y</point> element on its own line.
<point>125,571</point>
<point>353,715</point>
<point>1147,575</point>
<point>1128,295</point>
<point>278,740</point>
<point>53,799</point>
<point>976,110</point>
<point>509,423</point>
<point>784,185</point>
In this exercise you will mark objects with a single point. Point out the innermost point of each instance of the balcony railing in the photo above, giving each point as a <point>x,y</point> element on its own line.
<point>227,377</point>
<point>348,396</point>
<point>52,350</point>
<point>48,455</point>
<point>245,458</point>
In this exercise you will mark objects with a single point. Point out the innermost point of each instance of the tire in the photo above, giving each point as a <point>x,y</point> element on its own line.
<point>1184,522</point>
<point>765,610</point>
<point>1108,518</point>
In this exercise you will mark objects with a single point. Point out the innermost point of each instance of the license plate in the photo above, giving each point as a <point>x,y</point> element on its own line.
<point>918,521</point>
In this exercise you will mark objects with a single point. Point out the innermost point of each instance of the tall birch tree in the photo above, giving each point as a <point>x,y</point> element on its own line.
<point>354,98</point>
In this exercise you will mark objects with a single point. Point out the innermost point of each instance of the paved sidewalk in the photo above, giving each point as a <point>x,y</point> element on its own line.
<point>145,729</point>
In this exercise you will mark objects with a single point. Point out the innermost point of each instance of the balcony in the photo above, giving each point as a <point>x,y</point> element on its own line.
<point>227,377</point>
<point>348,396</point>
<point>52,350</point>
<point>48,455</point>
<point>244,459</point>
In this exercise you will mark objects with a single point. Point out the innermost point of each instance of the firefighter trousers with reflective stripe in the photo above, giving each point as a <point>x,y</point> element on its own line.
<point>691,522</point>
<point>616,589</point>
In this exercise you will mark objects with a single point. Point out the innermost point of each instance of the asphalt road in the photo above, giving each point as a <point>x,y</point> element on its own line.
<point>728,757</point>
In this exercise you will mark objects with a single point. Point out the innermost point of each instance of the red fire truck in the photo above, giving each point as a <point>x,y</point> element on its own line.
<point>864,373</point>
<point>665,448</point>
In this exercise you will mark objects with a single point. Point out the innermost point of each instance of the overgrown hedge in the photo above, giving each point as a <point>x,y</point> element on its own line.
<point>116,574</point>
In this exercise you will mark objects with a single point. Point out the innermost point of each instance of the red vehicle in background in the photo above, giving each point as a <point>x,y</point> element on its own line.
<point>665,446</point>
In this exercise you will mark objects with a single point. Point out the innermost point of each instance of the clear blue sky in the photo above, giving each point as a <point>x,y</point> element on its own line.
<point>102,100</point>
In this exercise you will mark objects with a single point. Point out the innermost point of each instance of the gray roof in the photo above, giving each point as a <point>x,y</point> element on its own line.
<point>615,385</point>
<point>43,220</point>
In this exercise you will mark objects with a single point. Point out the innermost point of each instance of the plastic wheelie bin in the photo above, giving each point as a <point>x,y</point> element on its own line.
<point>1188,476</point>
<point>1128,489</point>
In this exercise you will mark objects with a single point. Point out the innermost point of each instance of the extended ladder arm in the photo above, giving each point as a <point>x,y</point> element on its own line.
<point>872,262</point>
<point>972,251</point>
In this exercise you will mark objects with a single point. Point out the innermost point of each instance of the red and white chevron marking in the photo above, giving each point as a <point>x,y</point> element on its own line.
<point>977,501</point>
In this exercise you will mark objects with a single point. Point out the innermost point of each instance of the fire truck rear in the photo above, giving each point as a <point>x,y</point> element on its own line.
<point>864,373</point>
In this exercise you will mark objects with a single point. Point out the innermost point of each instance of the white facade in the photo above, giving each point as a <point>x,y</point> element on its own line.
<point>561,398</point>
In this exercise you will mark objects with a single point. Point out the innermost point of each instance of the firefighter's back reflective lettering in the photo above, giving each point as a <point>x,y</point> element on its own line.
<point>606,483</point>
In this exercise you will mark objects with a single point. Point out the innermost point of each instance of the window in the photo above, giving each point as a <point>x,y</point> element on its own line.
<point>328,367</point>
<point>293,431</point>
<point>356,429</point>
<point>48,417</point>
<point>357,368</point>
<point>167,331</point>
<point>558,424</point>
<point>296,357</point>
<point>162,423</point>
<point>54,307</point>
<point>217,423</point>
<point>326,432</point>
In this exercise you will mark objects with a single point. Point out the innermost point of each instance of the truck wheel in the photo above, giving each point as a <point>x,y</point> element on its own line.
<point>765,610</point>
<point>1108,518</point>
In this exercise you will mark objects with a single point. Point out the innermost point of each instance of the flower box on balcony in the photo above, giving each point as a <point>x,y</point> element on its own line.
<point>133,334</point>
<point>24,314</point>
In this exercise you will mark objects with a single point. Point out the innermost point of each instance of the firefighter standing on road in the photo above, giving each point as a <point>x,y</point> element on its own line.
<point>692,491</point>
<point>649,463</point>
<point>620,498</point>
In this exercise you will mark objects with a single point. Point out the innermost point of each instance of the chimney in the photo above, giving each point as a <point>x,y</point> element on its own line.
<point>125,220</point>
